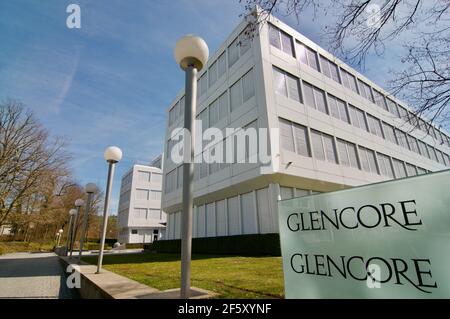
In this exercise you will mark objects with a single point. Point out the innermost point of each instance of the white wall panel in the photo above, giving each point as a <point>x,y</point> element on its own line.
<point>248,213</point>
<point>266,218</point>
<point>210,220</point>
<point>234,218</point>
<point>201,231</point>
<point>222,218</point>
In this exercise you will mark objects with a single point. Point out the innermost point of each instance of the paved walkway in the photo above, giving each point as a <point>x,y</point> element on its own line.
<point>33,275</point>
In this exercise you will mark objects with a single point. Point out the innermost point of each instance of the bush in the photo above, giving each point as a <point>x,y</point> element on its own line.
<point>134,246</point>
<point>242,245</point>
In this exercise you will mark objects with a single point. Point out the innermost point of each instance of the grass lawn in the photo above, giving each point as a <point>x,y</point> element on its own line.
<point>7,247</point>
<point>230,276</point>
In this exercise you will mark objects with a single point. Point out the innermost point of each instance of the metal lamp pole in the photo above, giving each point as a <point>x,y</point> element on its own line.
<point>69,231</point>
<point>112,155</point>
<point>78,203</point>
<point>90,189</point>
<point>191,53</point>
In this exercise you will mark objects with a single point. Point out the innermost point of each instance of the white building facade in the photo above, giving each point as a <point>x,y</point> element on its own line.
<point>140,218</point>
<point>337,129</point>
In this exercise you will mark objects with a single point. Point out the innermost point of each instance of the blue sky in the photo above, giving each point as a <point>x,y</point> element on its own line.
<point>110,82</point>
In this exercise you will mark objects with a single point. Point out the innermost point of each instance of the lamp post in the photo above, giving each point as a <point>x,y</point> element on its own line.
<point>78,203</point>
<point>72,212</point>
<point>191,53</point>
<point>112,155</point>
<point>59,237</point>
<point>90,189</point>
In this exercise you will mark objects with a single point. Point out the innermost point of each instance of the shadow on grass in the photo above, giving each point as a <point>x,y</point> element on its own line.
<point>153,257</point>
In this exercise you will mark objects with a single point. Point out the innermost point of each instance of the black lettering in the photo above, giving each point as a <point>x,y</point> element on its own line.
<point>340,218</point>
<point>387,265</point>
<point>320,264</point>
<point>314,220</point>
<point>292,264</point>
<point>359,216</point>
<point>406,213</point>
<point>335,223</point>
<point>289,225</point>
<point>350,270</point>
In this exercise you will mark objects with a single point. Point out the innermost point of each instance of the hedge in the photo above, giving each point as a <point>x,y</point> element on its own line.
<point>242,245</point>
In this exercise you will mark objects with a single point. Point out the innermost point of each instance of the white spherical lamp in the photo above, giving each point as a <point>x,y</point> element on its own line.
<point>79,202</point>
<point>60,231</point>
<point>191,50</point>
<point>72,211</point>
<point>90,188</point>
<point>113,154</point>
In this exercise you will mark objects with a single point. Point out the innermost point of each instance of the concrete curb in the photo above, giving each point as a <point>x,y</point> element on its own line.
<point>108,285</point>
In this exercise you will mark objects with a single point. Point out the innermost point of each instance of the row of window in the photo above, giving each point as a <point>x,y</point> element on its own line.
<point>295,138</point>
<point>174,178</point>
<point>310,57</point>
<point>290,86</point>
<point>145,194</point>
<point>217,69</point>
<point>239,93</point>
<point>147,213</point>
<point>149,177</point>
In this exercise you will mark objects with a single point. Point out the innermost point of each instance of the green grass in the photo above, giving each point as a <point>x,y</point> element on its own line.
<point>230,276</point>
<point>7,247</point>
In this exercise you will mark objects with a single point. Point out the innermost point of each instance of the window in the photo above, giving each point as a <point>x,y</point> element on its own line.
<point>156,178</point>
<point>233,52</point>
<point>315,97</point>
<point>411,170</point>
<point>154,214</point>
<point>236,95</point>
<point>368,160</point>
<point>423,149</point>
<point>143,177</point>
<point>385,165</point>
<point>218,109</point>
<point>244,43</point>
<point>287,140</point>
<point>349,81</point>
<point>307,56</point>
<point>374,125</point>
<point>348,155</point>
<point>301,140</point>
<point>141,194</point>
<point>294,137</point>
<point>380,100</point>
<point>286,84</point>
<point>389,133</point>
<point>412,142</point>
<point>440,157</point>
<point>323,146</point>
<point>171,181</point>
<point>399,168</point>
<point>140,213</point>
<point>242,90</point>
<point>280,39</point>
<point>221,65</point>
<point>202,85</point>
<point>156,195</point>
<point>223,105</point>
<point>432,153</point>
<point>403,113</point>
<point>337,108</point>
<point>358,118</point>
<point>248,88</point>
<point>134,231</point>
<point>392,107</point>
<point>212,72</point>
<point>421,171</point>
<point>401,138</point>
<point>365,91</point>
<point>330,69</point>
<point>213,113</point>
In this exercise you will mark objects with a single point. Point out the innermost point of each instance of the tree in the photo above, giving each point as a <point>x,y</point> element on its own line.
<point>363,27</point>
<point>31,162</point>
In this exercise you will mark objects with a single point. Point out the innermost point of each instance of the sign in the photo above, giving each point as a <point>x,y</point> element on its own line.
<point>384,240</point>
